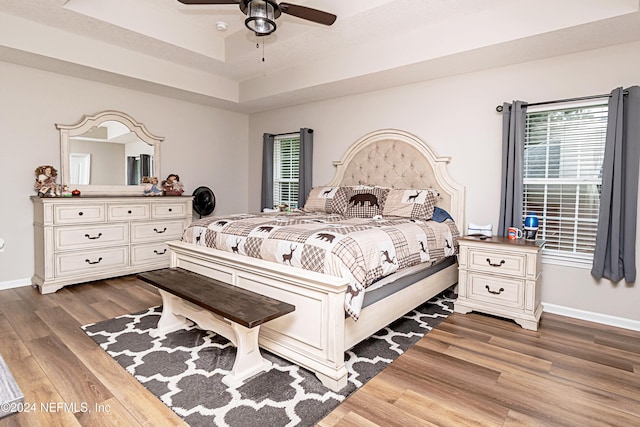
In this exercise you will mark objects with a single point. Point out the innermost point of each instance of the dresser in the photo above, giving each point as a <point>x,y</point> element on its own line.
<point>80,239</point>
<point>501,277</point>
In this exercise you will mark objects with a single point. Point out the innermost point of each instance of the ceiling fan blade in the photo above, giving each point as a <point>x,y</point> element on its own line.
<point>307,13</point>
<point>209,1</point>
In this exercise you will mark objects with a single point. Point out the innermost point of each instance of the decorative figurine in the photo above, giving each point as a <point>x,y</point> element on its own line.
<point>172,186</point>
<point>45,184</point>
<point>65,191</point>
<point>151,187</point>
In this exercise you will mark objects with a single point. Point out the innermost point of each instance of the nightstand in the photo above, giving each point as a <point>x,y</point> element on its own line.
<point>501,277</point>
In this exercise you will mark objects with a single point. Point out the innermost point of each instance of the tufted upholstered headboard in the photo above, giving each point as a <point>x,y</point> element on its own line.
<point>397,159</point>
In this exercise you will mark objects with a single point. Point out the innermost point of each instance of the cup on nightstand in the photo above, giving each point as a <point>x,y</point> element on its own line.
<point>514,233</point>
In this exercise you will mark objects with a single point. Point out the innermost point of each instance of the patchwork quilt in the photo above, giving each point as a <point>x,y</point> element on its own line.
<point>363,250</point>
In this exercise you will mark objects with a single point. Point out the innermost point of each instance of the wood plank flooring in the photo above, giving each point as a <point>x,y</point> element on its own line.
<point>471,370</point>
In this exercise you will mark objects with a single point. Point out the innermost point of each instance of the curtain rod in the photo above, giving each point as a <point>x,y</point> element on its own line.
<point>286,133</point>
<point>558,101</point>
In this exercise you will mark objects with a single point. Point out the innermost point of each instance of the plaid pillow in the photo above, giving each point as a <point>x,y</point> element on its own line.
<point>340,200</point>
<point>321,199</point>
<point>365,202</point>
<point>415,203</point>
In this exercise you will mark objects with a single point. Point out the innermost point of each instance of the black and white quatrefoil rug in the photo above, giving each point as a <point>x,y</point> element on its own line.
<point>185,368</point>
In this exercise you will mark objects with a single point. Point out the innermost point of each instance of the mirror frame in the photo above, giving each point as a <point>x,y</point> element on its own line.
<point>85,124</point>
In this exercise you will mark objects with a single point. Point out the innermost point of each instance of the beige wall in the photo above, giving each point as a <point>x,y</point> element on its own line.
<point>457,116</point>
<point>222,149</point>
<point>205,146</point>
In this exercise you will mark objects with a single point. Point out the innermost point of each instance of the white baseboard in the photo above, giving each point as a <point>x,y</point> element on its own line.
<point>605,319</point>
<point>15,284</point>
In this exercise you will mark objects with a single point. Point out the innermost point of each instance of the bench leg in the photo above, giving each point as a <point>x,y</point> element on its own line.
<point>248,361</point>
<point>169,321</point>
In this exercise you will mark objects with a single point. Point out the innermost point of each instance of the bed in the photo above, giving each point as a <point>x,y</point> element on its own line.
<point>317,334</point>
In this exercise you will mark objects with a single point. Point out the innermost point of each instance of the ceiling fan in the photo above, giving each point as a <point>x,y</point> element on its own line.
<point>262,14</point>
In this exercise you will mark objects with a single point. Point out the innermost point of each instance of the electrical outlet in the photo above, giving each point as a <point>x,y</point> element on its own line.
<point>1,245</point>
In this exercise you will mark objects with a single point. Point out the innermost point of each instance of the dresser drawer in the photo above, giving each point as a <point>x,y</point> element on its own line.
<point>496,261</point>
<point>169,210</point>
<point>126,212</point>
<point>496,291</point>
<point>150,254</point>
<point>86,262</point>
<point>90,236</point>
<point>64,214</point>
<point>156,231</point>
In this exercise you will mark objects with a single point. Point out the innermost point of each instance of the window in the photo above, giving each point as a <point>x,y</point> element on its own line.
<point>563,155</point>
<point>286,169</point>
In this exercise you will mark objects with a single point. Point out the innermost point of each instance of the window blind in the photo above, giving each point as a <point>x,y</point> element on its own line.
<point>286,170</point>
<point>563,155</point>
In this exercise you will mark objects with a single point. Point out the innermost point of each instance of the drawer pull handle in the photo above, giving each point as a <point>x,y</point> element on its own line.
<point>80,213</point>
<point>93,238</point>
<point>129,212</point>
<point>160,232</point>
<point>494,264</point>
<point>170,210</point>
<point>494,292</point>
<point>93,262</point>
<point>160,253</point>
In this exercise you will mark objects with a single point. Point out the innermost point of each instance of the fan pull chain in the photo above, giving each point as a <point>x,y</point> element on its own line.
<point>258,47</point>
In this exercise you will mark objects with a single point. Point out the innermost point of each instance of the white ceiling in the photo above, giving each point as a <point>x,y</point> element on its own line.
<point>168,48</point>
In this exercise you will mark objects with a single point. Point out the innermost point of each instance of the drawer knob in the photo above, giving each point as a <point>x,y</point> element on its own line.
<point>498,292</point>
<point>129,212</point>
<point>160,253</point>
<point>494,264</point>
<point>93,262</point>
<point>170,210</point>
<point>80,213</point>
<point>94,237</point>
<point>160,232</point>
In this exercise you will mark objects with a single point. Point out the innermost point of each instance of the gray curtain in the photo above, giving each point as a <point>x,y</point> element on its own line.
<point>131,171</point>
<point>266,200</point>
<point>513,125</point>
<point>145,165</point>
<point>615,252</point>
<point>306,165</point>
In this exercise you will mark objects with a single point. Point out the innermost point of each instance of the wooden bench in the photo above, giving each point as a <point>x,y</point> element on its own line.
<point>225,309</point>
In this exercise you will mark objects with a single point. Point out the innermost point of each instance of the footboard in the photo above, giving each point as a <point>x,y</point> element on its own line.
<point>313,336</point>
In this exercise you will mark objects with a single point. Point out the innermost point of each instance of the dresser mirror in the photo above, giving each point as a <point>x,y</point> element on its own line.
<point>108,153</point>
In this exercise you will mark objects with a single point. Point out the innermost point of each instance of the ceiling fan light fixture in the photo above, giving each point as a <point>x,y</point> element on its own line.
<point>261,17</point>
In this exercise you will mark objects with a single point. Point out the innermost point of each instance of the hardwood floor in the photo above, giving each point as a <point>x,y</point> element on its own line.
<point>471,370</point>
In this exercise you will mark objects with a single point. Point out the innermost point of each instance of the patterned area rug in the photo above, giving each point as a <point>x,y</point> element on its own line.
<point>185,368</point>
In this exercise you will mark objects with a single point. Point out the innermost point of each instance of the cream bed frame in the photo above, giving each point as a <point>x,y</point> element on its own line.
<point>317,334</point>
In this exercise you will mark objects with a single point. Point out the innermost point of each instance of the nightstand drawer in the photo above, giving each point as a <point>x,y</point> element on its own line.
<point>498,262</point>
<point>496,290</point>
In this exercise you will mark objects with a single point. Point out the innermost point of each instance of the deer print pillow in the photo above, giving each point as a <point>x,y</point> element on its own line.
<point>321,199</point>
<point>415,203</point>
